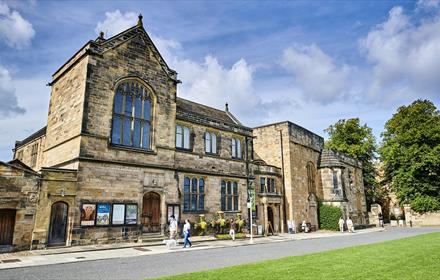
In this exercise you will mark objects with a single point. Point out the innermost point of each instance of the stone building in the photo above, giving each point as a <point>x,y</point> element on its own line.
<point>121,153</point>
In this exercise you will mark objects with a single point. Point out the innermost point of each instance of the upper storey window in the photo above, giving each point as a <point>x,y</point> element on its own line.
<point>182,137</point>
<point>210,143</point>
<point>236,148</point>
<point>132,116</point>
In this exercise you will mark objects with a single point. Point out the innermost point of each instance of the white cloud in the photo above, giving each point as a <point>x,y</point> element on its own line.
<point>8,100</point>
<point>316,73</point>
<point>15,31</point>
<point>405,55</point>
<point>116,22</point>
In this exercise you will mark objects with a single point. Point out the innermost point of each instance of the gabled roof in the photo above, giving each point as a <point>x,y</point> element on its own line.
<point>185,107</point>
<point>30,138</point>
<point>17,164</point>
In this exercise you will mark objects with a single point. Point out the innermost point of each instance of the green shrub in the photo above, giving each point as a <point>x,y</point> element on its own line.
<point>424,203</point>
<point>329,217</point>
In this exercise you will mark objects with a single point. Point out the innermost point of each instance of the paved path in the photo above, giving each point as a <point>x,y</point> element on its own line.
<point>132,263</point>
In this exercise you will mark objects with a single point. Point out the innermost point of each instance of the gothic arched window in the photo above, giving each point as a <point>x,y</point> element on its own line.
<point>132,115</point>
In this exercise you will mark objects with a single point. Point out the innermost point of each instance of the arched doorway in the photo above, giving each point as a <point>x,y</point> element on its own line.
<point>58,223</point>
<point>151,212</point>
<point>270,220</point>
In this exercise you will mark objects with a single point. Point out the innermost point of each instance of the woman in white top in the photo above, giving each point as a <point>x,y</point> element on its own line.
<point>186,230</point>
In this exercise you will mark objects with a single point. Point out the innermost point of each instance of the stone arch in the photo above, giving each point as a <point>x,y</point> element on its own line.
<point>151,212</point>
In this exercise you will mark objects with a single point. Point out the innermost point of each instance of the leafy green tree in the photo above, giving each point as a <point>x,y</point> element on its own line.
<point>411,152</point>
<point>357,141</point>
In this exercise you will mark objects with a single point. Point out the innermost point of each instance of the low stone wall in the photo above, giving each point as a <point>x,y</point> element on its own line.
<point>417,219</point>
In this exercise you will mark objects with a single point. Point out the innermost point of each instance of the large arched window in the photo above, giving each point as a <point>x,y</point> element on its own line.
<point>132,115</point>
<point>311,178</point>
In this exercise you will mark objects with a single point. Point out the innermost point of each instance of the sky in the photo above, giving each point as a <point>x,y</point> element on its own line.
<point>310,62</point>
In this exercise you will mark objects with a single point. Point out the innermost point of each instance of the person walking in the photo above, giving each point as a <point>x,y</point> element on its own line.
<point>173,227</point>
<point>186,234</point>
<point>232,229</point>
<point>350,225</point>
<point>341,224</point>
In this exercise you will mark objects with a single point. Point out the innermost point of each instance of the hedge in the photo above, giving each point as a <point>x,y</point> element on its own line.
<point>329,217</point>
<point>423,203</point>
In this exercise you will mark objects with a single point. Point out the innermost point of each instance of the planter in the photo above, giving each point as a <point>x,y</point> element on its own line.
<point>393,223</point>
<point>401,223</point>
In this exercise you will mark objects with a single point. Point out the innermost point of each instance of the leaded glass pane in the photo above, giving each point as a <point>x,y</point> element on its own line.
<point>186,202</point>
<point>201,202</point>
<point>117,129</point>
<point>193,202</point>
<point>127,131</point>
<point>234,188</point>
<point>214,143</point>
<point>238,148</point>
<point>147,109</point>
<point>117,106</point>
<point>207,142</point>
<point>128,105</point>
<point>186,138</point>
<point>235,203</point>
<point>233,148</point>
<point>178,136</point>
<point>137,134</point>
<point>201,185</point>
<point>229,190</point>
<point>146,136</point>
<point>138,106</point>
<point>194,185</point>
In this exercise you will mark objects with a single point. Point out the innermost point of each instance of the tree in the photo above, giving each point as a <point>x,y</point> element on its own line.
<point>410,151</point>
<point>357,141</point>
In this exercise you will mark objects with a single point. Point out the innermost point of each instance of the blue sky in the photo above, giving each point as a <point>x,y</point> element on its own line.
<point>310,62</point>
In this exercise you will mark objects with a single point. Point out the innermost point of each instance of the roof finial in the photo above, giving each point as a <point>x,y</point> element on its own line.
<point>226,107</point>
<point>140,20</point>
<point>101,35</point>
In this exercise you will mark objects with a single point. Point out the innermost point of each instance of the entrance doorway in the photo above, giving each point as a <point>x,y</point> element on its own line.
<point>58,224</point>
<point>270,220</point>
<point>7,223</point>
<point>151,212</point>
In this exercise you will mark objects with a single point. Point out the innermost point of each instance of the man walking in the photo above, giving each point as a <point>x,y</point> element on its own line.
<point>350,225</point>
<point>186,234</point>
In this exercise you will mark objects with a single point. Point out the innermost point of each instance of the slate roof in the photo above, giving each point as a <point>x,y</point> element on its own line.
<point>30,138</point>
<point>330,158</point>
<point>189,107</point>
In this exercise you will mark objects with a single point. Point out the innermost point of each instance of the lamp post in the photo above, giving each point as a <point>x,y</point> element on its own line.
<point>250,206</point>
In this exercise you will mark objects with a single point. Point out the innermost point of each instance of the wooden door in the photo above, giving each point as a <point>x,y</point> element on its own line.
<point>58,224</point>
<point>151,212</point>
<point>7,223</point>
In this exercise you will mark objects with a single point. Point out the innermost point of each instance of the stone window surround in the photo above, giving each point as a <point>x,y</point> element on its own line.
<point>212,143</point>
<point>236,148</point>
<point>153,101</point>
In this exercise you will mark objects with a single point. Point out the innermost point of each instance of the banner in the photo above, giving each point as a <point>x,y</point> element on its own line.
<point>103,214</point>
<point>118,214</point>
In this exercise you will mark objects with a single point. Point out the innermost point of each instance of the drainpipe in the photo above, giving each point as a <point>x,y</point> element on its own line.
<point>282,175</point>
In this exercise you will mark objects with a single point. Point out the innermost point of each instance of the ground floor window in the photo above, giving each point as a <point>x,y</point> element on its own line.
<point>229,195</point>
<point>193,194</point>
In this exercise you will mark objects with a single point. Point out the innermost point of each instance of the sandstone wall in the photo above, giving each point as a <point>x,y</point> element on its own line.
<point>19,191</point>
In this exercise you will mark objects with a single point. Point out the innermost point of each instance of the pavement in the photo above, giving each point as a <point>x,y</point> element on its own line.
<point>138,262</point>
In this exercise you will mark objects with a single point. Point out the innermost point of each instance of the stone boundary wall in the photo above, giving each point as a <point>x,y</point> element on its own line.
<point>416,219</point>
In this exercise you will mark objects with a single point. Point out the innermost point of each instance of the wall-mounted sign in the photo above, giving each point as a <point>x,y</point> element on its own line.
<point>103,214</point>
<point>118,214</point>
<point>88,213</point>
<point>131,214</point>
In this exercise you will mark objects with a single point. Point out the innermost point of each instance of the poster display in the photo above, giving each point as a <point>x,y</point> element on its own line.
<point>118,214</point>
<point>103,214</point>
<point>88,213</point>
<point>131,214</point>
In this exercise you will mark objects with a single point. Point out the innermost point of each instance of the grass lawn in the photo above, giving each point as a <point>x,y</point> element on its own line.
<point>410,258</point>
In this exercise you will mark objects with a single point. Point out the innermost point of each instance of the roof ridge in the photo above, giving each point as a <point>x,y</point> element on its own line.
<point>202,104</point>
